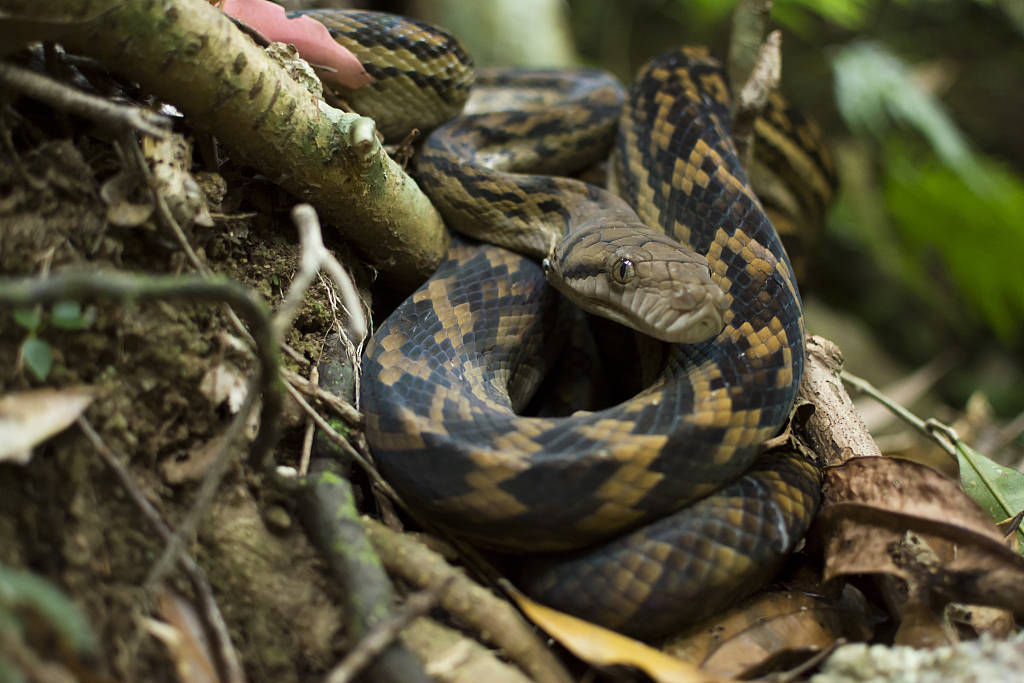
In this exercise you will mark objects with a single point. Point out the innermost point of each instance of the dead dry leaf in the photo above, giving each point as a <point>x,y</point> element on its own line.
<point>603,648</point>
<point>170,159</point>
<point>127,205</point>
<point>954,554</point>
<point>28,418</point>
<point>196,463</point>
<point>182,634</point>
<point>224,383</point>
<point>770,628</point>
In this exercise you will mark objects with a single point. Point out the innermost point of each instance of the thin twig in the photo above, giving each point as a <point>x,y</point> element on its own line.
<point>765,76</point>
<point>35,183</point>
<point>327,509</point>
<point>383,634</point>
<point>314,258</point>
<point>928,429</point>
<point>114,116</point>
<point>207,490</point>
<point>477,607</point>
<point>164,214</point>
<point>131,147</point>
<point>228,658</point>
<point>307,439</point>
<point>343,408</point>
<point>1006,435</point>
<point>345,446</point>
<point>753,95</point>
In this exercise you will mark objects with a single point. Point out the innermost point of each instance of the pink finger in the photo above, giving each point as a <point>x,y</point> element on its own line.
<point>309,37</point>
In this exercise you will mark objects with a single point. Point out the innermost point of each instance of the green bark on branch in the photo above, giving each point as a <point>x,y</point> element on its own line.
<point>188,53</point>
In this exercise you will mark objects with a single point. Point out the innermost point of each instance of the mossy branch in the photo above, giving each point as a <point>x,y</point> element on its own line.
<point>189,54</point>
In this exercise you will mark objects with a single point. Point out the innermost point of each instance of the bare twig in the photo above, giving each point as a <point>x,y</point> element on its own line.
<point>753,96</point>
<point>764,77</point>
<point>114,116</point>
<point>307,443</point>
<point>207,490</point>
<point>835,429</point>
<point>749,26</point>
<point>314,257</point>
<point>1006,435</point>
<point>345,446</point>
<point>473,604</point>
<point>131,148</point>
<point>230,667</point>
<point>326,505</point>
<point>382,636</point>
<point>8,141</point>
<point>906,391</point>
<point>941,434</point>
<point>343,408</point>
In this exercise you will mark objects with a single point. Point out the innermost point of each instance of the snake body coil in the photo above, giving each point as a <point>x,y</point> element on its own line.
<point>659,508</point>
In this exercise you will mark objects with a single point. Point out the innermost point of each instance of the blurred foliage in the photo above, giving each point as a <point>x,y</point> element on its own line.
<point>33,609</point>
<point>947,203</point>
<point>974,225</point>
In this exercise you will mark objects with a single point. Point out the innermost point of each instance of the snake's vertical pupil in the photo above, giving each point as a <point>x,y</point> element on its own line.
<point>623,271</point>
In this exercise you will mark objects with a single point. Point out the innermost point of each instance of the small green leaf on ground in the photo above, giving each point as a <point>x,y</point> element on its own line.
<point>68,315</point>
<point>29,318</point>
<point>38,357</point>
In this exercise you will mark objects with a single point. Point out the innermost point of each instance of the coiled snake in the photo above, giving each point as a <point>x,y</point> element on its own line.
<point>660,508</point>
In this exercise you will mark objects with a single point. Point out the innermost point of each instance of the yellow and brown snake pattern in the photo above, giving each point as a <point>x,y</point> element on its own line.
<point>651,512</point>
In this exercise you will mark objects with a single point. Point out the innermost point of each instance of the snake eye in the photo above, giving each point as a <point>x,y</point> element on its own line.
<point>623,270</point>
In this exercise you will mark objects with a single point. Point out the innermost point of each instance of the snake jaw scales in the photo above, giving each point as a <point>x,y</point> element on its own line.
<point>640,278</point>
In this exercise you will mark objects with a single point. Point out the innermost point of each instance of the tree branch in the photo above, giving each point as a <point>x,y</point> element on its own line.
<point>191,55</point>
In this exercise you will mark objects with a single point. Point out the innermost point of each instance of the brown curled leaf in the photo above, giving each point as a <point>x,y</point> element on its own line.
<point>953,552</point>
<point>770,629</point>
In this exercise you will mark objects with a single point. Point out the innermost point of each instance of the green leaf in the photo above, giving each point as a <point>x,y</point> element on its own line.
<point>29,318</point>
<point>68,315</point>
<point>949,205</point>
<point>20,590</point>
<point>38,357</point>
<point>9,674</point>
<point>939,213</point>
<point>875,90</point>
<point>998,489</point>
<point>795,14</point>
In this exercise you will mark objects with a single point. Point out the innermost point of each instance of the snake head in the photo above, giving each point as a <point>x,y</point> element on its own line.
<point>640,278</point>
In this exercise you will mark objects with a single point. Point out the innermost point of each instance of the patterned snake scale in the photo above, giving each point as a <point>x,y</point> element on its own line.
<point>660,509</point>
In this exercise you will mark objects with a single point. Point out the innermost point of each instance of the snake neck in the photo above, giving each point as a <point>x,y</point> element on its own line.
<point>416,67</point>
<point>498,176</point>
<point>675,163</point>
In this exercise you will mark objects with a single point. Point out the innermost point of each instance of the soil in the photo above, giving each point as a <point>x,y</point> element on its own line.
<point>64,188</point>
